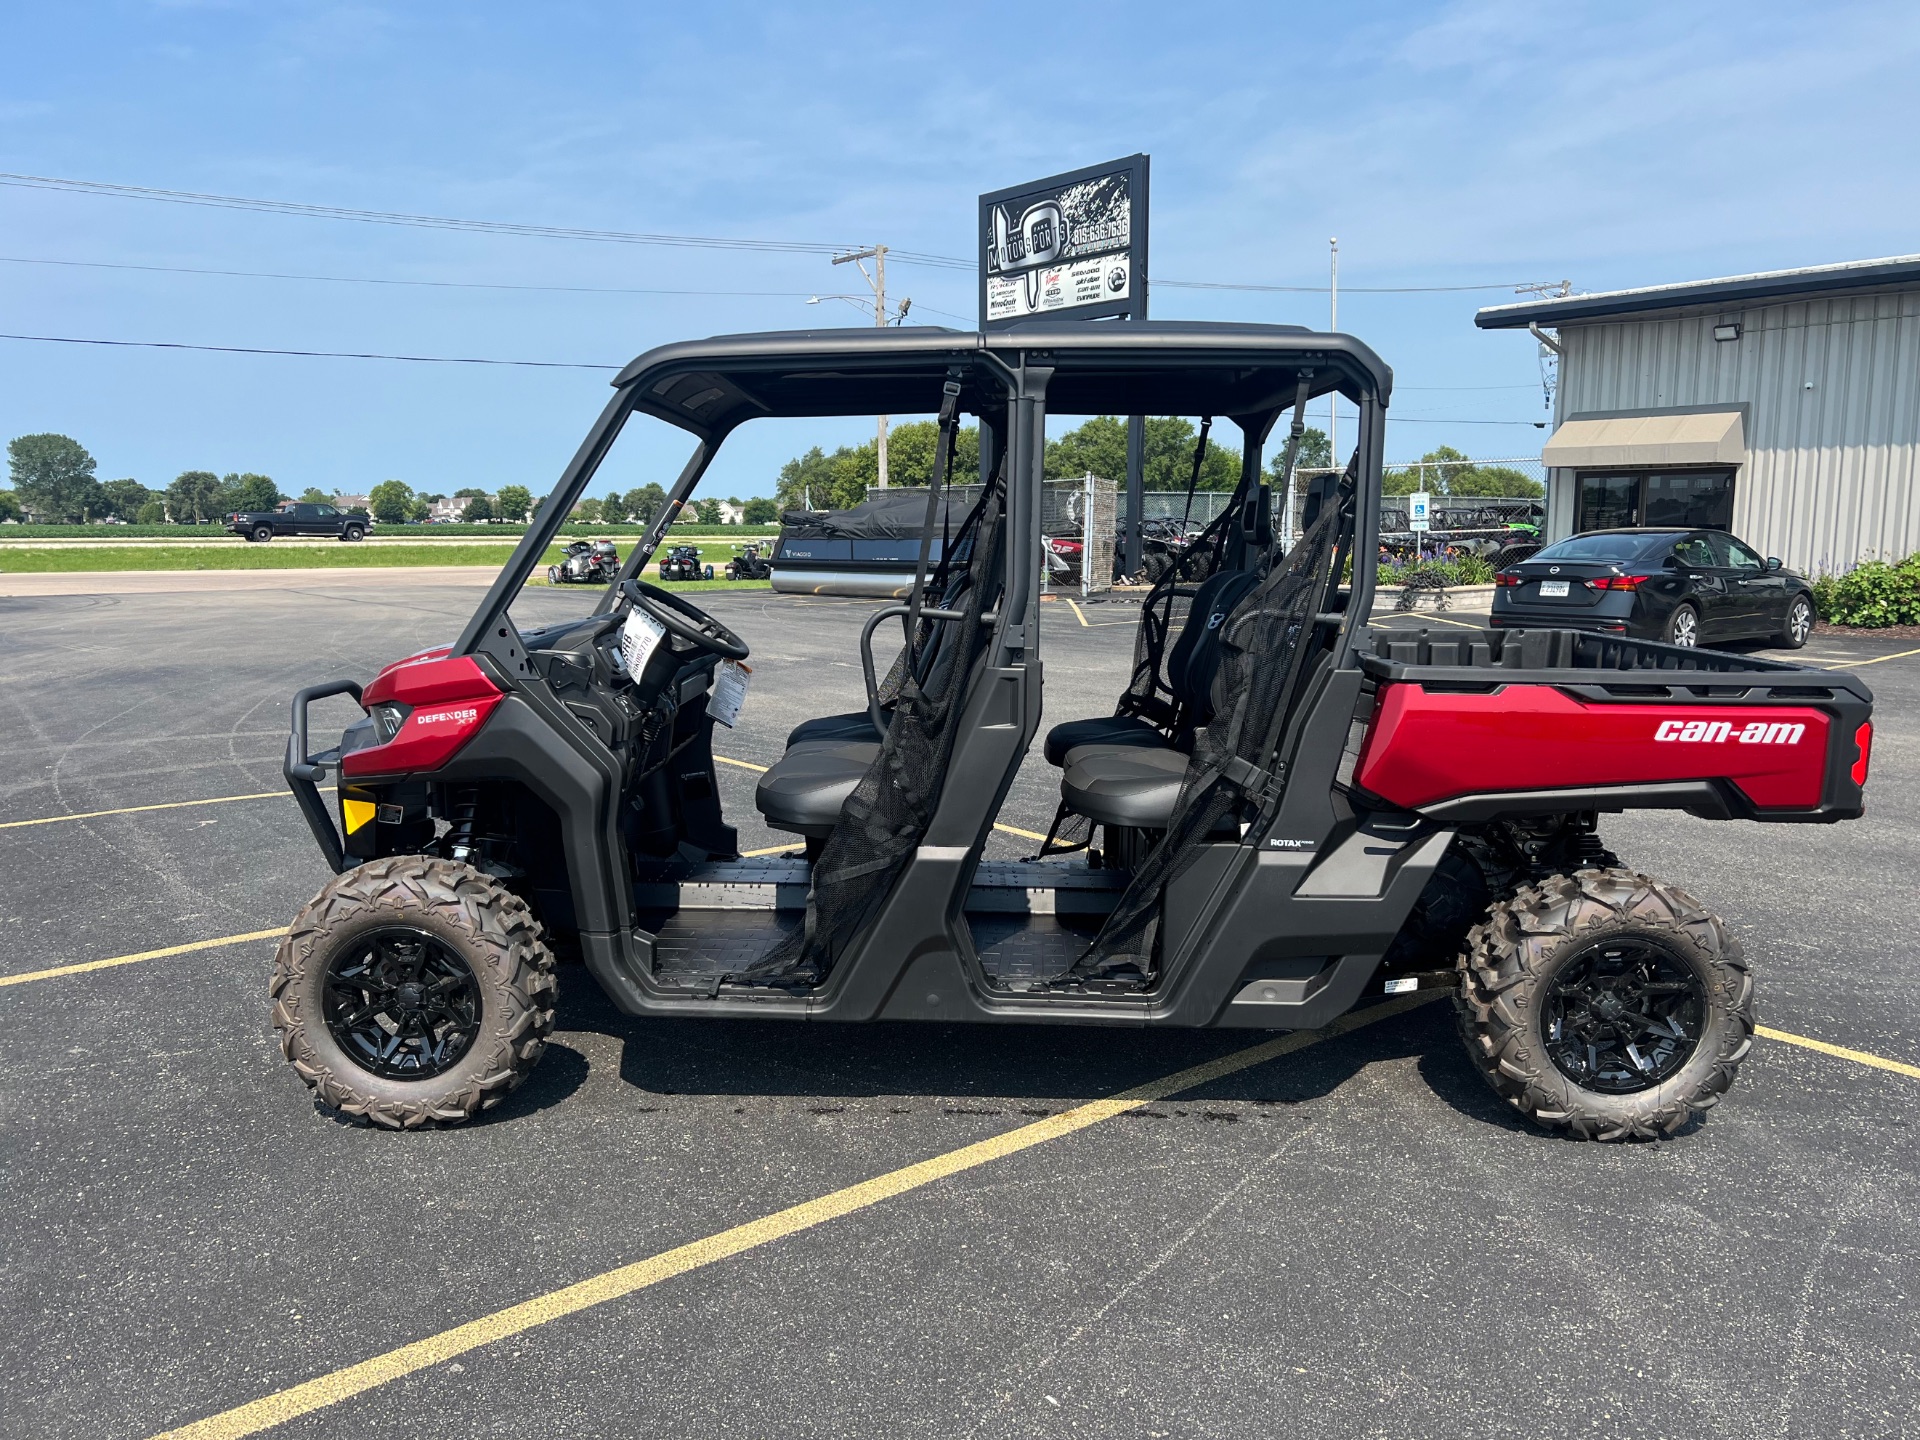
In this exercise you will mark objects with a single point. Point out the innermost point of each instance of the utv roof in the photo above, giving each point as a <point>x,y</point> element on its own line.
<point>1154,367</point>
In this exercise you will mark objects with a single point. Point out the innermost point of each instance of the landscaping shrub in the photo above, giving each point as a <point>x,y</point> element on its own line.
<point>1469,570</point>
<point>1871,595</point>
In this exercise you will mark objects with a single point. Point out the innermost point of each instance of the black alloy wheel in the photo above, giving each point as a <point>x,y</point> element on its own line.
<point>401,1003</point>
<point>263,533</point>
<point>1623,1016</point>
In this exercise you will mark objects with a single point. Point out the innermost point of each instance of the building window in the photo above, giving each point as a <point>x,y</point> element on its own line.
<point>1697,499</point>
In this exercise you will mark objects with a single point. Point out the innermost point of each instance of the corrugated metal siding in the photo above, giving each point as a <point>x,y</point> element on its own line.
<point>1833,474</point>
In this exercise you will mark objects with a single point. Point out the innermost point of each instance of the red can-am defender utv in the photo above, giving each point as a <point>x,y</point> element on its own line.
<point>1293,812</point>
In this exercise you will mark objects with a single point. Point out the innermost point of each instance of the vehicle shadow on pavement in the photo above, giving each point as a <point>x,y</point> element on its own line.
<point>751,1058</point>
<point>1451,1076</point>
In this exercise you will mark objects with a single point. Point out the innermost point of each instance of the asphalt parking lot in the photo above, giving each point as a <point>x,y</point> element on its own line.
<point>1348,1239</point>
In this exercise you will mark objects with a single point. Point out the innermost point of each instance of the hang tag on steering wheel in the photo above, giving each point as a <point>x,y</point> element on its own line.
<point>640,636</point>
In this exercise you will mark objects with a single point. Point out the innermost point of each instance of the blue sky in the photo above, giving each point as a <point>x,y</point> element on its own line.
<point>1483,142</point>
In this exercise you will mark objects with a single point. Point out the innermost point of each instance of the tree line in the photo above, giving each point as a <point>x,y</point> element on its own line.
<point>821,481</point>
<point>54,482</point>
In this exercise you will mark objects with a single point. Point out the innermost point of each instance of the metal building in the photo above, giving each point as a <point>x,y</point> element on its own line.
<point>1784,406</point>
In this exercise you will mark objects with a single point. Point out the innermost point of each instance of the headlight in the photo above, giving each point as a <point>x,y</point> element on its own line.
<point>387,720</point>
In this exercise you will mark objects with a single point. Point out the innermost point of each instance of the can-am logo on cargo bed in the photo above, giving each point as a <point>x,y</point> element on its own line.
<point>458,717</point>
<point>1755,732</point>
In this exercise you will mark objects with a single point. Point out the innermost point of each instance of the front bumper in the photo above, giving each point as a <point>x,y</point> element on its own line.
<point>304,771</point>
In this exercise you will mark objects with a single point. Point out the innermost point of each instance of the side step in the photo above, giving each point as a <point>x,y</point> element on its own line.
<point>777,882</point>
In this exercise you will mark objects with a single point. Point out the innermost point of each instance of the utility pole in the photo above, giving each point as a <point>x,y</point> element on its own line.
<point>877,279</point>
<point>1333,323</point>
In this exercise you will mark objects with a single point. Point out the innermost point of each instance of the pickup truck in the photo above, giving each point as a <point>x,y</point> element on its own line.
<point>297,517</point>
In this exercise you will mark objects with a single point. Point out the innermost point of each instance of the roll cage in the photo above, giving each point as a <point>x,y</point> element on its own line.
<point>1010,380</point>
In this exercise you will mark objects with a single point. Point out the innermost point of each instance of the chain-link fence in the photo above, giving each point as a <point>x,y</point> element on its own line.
<point>1465,495</point>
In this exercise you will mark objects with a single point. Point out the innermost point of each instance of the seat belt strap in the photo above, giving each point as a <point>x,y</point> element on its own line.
<point>1193,480</point>
<point>942,455</point>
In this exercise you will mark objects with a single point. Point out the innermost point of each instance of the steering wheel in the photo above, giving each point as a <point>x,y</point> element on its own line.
<point>685,620</point>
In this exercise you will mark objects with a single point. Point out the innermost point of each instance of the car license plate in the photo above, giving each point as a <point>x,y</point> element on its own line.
<point>1552,589</point>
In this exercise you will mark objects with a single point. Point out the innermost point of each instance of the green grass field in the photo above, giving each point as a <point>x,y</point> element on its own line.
<point>28,560</point>
<point>397,532</point>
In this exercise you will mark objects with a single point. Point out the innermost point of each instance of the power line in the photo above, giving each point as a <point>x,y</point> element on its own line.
<point>376,280</point>
<point>402,218</point>
<point>623,237</point>
<point>309,354</point>
<point>428,284</point>
<point>1393,419</point>
<point>486,360</point>
<point>1324,289</point>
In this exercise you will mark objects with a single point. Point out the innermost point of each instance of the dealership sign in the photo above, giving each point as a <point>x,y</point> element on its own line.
<point>1071,247</point>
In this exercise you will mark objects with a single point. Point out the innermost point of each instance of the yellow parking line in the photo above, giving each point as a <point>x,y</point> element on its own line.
<point>1423,616</point>
<point>352,1380</point>
<point>743,764</point>
<point>1900,655</point>
<point>137,809</point>
<point>770,850</point>
<point>1013,830</point>
<point>1081,613</point>
<point>86,965</point>
<point>1862,1057</point>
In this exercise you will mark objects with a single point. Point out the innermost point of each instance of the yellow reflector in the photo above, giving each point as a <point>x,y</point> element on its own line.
<point>358,813</point>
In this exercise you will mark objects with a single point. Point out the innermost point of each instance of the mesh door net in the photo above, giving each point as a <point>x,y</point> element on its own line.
<point>1163,616</point>
<point>1264,645</point>
<point>889,811</point>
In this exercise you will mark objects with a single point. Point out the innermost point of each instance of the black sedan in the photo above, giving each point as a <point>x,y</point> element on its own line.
<point>1687,587</point>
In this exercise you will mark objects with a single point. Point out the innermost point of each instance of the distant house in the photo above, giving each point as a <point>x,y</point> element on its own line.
<point>732,514</point>
<point>353,502</point>
<point>449,510</point>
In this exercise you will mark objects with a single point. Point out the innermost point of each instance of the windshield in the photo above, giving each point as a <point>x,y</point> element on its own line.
<point>1606,547</point>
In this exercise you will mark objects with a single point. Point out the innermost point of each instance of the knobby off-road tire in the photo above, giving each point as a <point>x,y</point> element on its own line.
<point>1510,965</point>
<point>472,915</point>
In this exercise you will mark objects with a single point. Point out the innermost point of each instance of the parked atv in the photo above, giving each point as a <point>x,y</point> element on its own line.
<point>1292,812</point>
<point>683,562</point>
<point>749,563</point>
<point>586,563</point>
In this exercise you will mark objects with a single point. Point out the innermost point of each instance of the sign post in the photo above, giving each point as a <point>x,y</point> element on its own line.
<point>1073,247</point>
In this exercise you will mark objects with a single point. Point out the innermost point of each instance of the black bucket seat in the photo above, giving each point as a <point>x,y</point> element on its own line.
<point>1191,664</point>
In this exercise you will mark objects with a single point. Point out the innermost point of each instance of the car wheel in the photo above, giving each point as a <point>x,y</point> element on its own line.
<point>263,533</point>
<point>1683,626</point>
<point>553,574</point>
<point>352,533</point>
<point>709,572</point>
<point>1799,623</point>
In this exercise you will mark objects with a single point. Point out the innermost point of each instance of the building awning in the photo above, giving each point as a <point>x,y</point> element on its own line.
<point>1638,442</point>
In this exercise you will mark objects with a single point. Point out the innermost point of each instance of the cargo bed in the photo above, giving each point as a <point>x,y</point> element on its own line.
<point>1469,724</point>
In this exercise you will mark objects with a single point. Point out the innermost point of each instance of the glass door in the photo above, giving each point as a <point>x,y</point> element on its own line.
<point>1608,502</point>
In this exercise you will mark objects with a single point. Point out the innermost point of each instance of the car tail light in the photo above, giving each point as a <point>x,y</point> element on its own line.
<point>1507,577</point>
<point>1863,742</point>
<point>1619,582</point>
